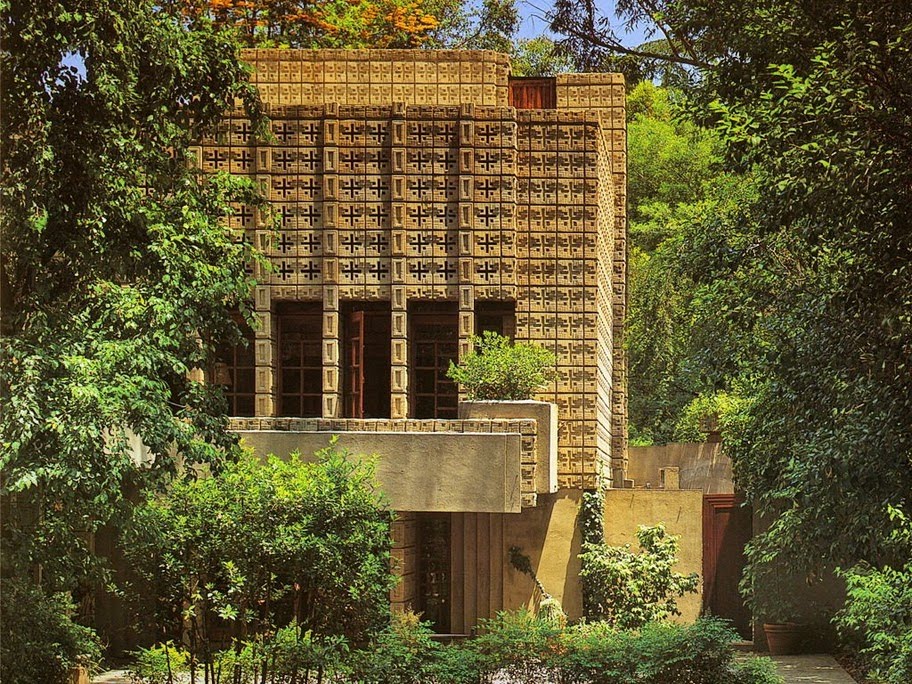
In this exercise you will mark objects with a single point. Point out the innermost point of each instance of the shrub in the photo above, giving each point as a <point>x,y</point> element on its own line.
<point>403,653</point>
<point>39,641</point>
<point>498,369</point>
<point>629,590</point>
<point>755,671</point>
<point>290,655</point>
<point>659,653</point>
<point>877,620</point>
<point>160,664</point>
<point>259,546</point>
<point>517,644</point>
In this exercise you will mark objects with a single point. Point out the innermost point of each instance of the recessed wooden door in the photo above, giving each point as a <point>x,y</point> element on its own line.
<point>354,362</point>
<point>366,370</point>
<point>533,93</point>
<point>727,527</point>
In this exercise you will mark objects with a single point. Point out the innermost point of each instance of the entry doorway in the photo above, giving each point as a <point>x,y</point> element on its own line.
<point>366,372</point>
<point>727,527</point>
<point>434,574</point>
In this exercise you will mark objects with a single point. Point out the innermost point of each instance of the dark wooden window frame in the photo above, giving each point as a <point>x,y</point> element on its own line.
<point>443,388</point>
<point>306,400</point>
<point>239,359</point>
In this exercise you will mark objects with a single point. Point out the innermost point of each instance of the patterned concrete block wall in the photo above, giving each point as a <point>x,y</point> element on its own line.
<point>606,94</point>
<point>414,77</point>
<point>406,200</point>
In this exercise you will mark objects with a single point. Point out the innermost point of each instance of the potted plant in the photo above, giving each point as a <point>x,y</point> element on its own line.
<point>773,603</point>
<point>496,369</point>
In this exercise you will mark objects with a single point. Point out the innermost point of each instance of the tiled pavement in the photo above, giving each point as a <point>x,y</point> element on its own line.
<point>811,669</point>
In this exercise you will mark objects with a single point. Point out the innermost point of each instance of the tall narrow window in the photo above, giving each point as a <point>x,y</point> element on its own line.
<point>300,372</point>
<point>235,371</point>
<point>366,345</point>
<point>434,337</point>
<point>434,570</point>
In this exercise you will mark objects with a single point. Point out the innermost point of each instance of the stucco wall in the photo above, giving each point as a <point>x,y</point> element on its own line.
<point>702,466</point>
<point>679,510</point>
<point>423,471</point>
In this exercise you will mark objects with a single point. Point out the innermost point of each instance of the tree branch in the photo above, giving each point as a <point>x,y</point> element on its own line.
<point>615,46</point>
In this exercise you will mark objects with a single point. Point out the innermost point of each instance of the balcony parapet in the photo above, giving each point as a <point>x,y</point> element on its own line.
<point>478,464</point>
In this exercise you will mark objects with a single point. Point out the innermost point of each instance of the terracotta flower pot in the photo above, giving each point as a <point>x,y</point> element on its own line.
<point>783,638</point>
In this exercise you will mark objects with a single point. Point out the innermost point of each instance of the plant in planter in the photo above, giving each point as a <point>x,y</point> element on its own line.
<point>771,599</point>
<point>498,369</point>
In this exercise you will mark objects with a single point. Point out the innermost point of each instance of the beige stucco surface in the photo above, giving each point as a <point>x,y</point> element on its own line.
<point>702,466</point>
<point>430,471</point>
<point>550,536</point>
<point>545,415</point>
<point>680,511</point>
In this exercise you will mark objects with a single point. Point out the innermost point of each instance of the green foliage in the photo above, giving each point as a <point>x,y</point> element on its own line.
<point>514,646</point>
<point>517,645</point>
<point>877,621</point>
<point>816,286</point>
<point>676,189</point>
<point>808,282</point>
<point>39,641</point>
<point>475,25</point>
<point>114,264</point>
<point>723,411</point>
<point>498,369</point>
<point>755,671</point>
<point>263,545</point>
<point>523,649</point>
<point>159,664</point>
<point>538,57</point>
<point>308,24</point>
<point>655,654</point>
<point>288,655</point>
<point>403,653</point>
<point>628,590</point>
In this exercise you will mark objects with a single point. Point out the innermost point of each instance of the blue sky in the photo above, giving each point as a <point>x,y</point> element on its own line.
<point>533,24</point>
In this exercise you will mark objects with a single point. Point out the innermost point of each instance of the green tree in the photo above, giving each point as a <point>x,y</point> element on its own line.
<point>475,25</point>
<point>815,284</point>
<point>539,57</point>
<point>676,182</point>
<point>116,268</point>
<point>629,590</point>
<point>309,24</point>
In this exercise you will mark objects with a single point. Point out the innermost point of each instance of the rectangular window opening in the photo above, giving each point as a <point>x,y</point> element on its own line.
<point>434,341</point>
<point>300,359</point>
<point>499,317</point>
<point>235,371</point>
<point>366,342</point>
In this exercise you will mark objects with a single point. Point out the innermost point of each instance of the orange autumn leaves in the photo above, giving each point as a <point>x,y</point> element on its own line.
<point>313,24</point>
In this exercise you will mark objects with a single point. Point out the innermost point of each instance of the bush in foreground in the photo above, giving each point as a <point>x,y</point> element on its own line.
<point>39,641</point>
<point>514,646</point>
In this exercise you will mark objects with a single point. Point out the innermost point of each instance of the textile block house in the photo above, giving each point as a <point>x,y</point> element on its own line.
<point>424,197</point>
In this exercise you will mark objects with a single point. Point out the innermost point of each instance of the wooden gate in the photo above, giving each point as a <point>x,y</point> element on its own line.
<point>727,527</point>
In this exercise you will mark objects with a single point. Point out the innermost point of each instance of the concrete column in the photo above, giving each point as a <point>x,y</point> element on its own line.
<point>264,355</point>
<point>332,352</point>
<point>399,352</point>
<point>466,244</point>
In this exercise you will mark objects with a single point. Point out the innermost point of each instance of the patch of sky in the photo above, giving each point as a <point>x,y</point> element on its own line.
<point>533,21</point>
